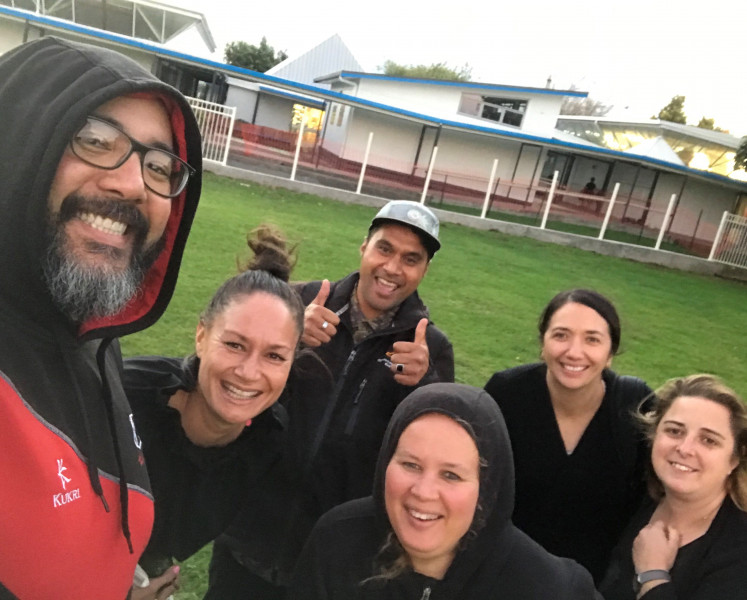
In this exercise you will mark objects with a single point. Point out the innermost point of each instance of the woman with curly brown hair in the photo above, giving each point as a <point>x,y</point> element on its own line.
<point>690,541</point>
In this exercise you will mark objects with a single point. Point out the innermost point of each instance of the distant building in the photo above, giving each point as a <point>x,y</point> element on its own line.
<point>120,25</point>
<point>258,103</point>
<point>474,123</point>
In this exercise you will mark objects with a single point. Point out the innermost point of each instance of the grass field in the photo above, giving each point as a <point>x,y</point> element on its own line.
<point>484,289</point>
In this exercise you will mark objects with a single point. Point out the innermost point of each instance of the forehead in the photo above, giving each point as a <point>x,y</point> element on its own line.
<point>257,312</point>
<point>573,315</point>
<point>697,412</point>
<point>451,436</point>
<point>143,118</point>
<point>399,235</point>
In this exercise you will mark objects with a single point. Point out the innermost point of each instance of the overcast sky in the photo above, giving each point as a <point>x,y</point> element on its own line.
<point>635,54</point>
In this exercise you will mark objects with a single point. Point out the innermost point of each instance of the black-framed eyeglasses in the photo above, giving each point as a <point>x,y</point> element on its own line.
<point>103,145</point>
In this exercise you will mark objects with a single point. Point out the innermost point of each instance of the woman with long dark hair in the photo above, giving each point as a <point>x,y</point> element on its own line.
<point>578,454</point>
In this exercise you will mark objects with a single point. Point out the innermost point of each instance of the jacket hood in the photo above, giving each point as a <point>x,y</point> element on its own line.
<point>477,408</point>
<point>47,89</point>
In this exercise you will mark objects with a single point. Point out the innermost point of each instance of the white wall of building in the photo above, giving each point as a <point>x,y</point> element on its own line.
<point>697,195</point>
<point>473,155</point>
<point>243,95</point>
<point>542,114</point>
<point>635,187</point>
<point>11,35</point>
<point>443,100</point>
<point>668,184</point>
<point>712,199</point>
<point>275,112</point>
<point>394,145</point>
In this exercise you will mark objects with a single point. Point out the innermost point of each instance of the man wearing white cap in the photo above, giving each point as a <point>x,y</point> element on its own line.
<point>373,333</point>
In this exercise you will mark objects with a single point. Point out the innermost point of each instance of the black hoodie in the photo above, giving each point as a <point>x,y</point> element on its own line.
<point>495,559</point>
<point>76,506</point>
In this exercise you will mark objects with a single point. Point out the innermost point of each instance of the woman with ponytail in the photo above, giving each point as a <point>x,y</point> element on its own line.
<point>209,424</point>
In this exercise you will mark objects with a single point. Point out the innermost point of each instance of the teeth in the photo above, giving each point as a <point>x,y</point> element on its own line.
<point>422,516</point>
<point>103,224</point>
<point>386,283</point>
<point>572,368</point>
<point>239,393</point>
<point>680,467</point>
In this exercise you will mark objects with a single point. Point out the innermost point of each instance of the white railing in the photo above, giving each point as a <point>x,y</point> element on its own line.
<point>730,245</point>
<point>216,127</point>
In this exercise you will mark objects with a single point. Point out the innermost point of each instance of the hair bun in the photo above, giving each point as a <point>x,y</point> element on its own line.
<point>271,252</point>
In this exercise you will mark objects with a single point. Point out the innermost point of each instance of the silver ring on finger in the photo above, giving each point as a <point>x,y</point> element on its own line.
<point>400,368</point>
<point>325,324</point>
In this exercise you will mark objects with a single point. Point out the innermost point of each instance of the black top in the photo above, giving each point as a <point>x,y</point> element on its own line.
<point>197,490</point>
<point>494,560</point>
<point>577,504</point>
<point>713,567</point>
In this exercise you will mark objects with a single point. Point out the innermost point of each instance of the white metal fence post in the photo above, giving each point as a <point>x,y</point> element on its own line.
<point>365,163</point>
<point>666,221</point>
<point>719,233</point>
<point>490,187</point>
<point>298,151</point>
<point>229,137</point>
<point>428,176</point>
<point>549,198</point>
<point>609,211</point>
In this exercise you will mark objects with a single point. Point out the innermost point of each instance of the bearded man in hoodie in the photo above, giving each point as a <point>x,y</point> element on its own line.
<point>99,182</point>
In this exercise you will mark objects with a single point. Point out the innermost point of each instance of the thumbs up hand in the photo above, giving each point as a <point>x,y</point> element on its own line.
<point>410,360</point>
<point>319,323</point>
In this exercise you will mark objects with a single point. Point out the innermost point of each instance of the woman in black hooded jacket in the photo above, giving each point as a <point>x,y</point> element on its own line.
<point>355,550</point>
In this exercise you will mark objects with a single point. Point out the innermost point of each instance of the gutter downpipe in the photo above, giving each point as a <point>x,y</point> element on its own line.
<point>420,147</point>
<point>320,145</point>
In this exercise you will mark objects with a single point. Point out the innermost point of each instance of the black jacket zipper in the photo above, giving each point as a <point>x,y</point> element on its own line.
<point>356,407</point>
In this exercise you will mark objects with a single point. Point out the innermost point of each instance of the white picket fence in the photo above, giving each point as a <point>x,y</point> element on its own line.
<point>216,127</point>
<point>730,245</point>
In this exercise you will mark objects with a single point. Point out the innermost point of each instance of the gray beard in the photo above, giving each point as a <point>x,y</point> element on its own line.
<point>84,293</point>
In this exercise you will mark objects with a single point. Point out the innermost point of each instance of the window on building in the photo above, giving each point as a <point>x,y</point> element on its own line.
<point>509,111</point>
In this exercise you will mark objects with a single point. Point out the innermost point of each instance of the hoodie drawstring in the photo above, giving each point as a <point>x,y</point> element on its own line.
<point>90,450</point>
<point>108,403</point>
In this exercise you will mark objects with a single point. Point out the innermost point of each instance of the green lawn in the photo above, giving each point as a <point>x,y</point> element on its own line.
<point>484,289</point>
